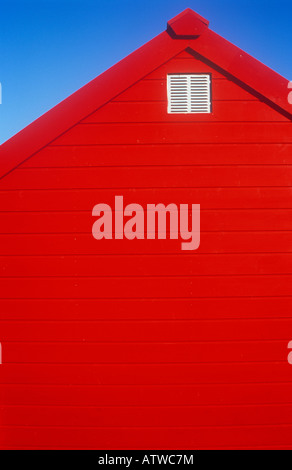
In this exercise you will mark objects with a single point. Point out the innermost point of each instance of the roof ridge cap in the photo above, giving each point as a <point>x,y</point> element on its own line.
<point>187,25</point>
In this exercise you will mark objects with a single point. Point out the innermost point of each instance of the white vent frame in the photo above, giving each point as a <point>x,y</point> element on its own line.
<point>189,93</point>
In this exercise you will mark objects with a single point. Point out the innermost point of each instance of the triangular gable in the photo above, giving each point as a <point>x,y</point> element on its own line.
<point>188,31</point>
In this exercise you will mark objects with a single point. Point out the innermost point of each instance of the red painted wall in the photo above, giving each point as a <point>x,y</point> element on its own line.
<point>136,344</point>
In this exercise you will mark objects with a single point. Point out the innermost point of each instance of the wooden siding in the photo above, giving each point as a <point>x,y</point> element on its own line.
<point>136,344</point>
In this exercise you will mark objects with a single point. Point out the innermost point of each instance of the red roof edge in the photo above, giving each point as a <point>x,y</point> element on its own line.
<point>87,100</point>
<point>249,72</point>
<point>187,24</point>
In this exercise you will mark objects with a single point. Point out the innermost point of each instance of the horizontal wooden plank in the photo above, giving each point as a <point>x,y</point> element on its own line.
<point>81,222</point>
<point>236,111</point>
<point>152,374</point>
<point>177,133</point>
<point>144,353</point>
<point>208,198</point>
<point>150,332</point>
<point>211,242</point>
<point>150,395</point>
<point>160,155</point>
<point>146,177</point>
<point>147,416</point>
<point>147,287</point>
<point>158,309</point>
<point>249,437</point>
<point>155,90</point>
<point>164,265</point>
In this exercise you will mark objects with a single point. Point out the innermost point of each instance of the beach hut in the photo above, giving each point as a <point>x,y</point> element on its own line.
<point>110,342</point>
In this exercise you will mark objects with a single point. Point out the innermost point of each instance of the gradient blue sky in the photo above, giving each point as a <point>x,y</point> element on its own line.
<point>50,48</point>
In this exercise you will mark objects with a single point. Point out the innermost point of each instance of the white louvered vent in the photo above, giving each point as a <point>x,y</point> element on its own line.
<point>189,94</point>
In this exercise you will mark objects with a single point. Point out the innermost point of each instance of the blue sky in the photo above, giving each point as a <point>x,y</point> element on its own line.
<point>50,48</point>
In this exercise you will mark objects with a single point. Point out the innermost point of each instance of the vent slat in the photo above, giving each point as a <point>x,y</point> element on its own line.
<point>189,94</point>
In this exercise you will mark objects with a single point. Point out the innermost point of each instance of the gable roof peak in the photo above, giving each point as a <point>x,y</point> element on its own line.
<point>187,31</point>
<point>187,25</point>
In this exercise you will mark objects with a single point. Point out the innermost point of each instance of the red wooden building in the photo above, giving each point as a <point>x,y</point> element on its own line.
<point>124,344</point>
